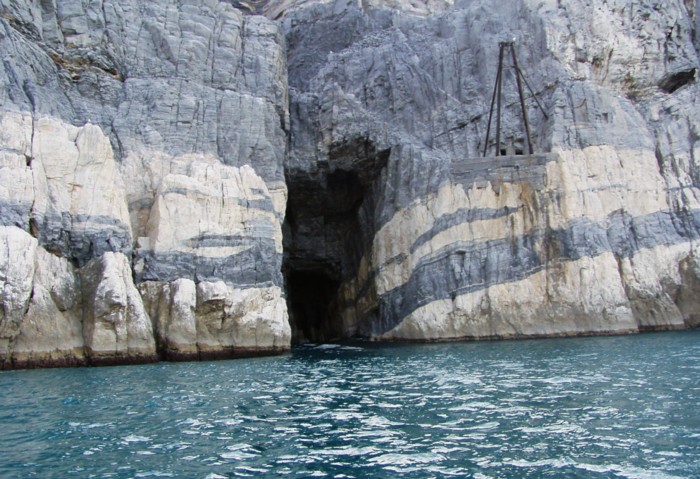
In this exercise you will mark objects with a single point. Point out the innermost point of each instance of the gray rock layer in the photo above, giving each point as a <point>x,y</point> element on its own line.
<point>596,236</point>
<point>184,180</point>
<point>156,132</point>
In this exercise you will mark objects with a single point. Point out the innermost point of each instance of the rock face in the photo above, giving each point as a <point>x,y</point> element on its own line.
<point>184,180</point>
<point>115,324</point>
<point>596,234</point>
<point>140,141</point>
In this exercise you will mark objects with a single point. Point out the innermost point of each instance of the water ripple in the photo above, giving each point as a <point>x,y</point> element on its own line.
<point>586,408</point>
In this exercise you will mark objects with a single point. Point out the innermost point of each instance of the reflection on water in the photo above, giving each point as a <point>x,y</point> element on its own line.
<point>583,408</point>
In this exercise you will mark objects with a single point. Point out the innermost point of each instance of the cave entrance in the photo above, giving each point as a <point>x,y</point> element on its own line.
<point>310,297</point>
<point>328,227</point>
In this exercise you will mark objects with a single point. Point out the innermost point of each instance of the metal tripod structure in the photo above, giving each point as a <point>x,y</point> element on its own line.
<point>497,99</point>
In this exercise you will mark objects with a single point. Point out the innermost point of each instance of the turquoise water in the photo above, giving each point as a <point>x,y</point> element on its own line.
<point>620,407</point>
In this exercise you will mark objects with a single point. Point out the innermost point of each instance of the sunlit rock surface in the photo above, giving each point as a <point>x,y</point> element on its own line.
<point>155,131</point>
<point>269,172</point>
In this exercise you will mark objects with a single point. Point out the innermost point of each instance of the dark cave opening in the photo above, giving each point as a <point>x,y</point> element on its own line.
<point>673,81</point>
<point>310,296</point>
<point>329,225</point>
<point>320,238</point>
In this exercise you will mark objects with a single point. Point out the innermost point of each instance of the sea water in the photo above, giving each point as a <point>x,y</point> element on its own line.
<point>615,407</point>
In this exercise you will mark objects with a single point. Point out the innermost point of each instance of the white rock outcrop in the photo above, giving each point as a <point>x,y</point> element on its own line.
<point>216,320</point>
<point>146,142</point>
<point>17,250</point>
<point>171,307</point>
<point>116,327</point>
<point>51,332</point>
<point>79,200</point>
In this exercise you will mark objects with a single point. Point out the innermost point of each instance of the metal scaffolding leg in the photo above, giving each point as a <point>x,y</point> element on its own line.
<point>493,101</point>
<point>497,99</point>
<point>526,121</point>
<point>534,95</point>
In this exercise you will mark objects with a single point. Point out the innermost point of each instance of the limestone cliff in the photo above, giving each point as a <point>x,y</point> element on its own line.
<point>141,141</point>
<point>176,176</point>
<point>428,240</point>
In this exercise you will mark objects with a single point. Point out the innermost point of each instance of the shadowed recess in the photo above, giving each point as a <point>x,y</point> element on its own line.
<point>310,298</point>
<point>329,225</point>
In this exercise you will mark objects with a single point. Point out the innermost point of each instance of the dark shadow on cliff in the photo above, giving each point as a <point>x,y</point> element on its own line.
<point>310,296</point>
<point>329,226</point>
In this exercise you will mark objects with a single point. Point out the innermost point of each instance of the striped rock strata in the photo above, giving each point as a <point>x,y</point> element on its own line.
<point>598,235</point>
<point>142,190</point>
<point>179,180</point>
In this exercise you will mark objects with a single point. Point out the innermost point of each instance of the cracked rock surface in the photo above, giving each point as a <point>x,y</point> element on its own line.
<point>592,235</point>
<point>156,132</point>
<point>208,178</point>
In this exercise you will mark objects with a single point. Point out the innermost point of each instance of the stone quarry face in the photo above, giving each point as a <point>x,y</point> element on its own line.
<point>227,178</point>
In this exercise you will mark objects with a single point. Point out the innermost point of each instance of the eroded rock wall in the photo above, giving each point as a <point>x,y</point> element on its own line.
<point>142,148</point>
<point>174,175</point>
<point>595,235</point>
